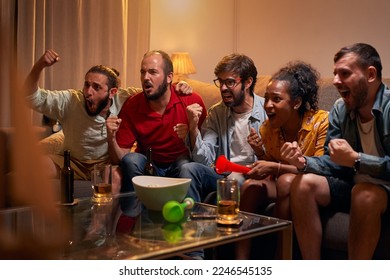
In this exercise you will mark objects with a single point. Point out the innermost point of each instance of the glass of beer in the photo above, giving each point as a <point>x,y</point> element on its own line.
<point>101,178</point>
<point>228,201</point>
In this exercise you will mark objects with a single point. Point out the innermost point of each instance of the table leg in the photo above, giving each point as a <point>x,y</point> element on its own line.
<point>285,248</point>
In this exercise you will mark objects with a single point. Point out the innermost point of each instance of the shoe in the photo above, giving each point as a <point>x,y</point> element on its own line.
<point>125,224</point>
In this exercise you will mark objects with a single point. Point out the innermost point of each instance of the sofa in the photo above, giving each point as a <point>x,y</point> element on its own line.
<point>335,224</point>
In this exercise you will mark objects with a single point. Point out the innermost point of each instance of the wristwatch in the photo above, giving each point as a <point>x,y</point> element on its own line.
<point>356,166</point>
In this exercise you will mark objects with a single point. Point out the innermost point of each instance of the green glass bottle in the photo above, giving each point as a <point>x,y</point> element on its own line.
<point>67,180</point>
<point>149,167</point>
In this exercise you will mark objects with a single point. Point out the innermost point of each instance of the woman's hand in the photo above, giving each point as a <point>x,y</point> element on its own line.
<point>255,142</point>
<point>291,153</point>
<point>262,169</point>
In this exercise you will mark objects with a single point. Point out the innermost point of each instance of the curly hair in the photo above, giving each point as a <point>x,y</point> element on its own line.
<point>111,74</point>
<point>302,82</point>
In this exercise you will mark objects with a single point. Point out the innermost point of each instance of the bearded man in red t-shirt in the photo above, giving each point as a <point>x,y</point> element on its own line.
<point>154,119</point>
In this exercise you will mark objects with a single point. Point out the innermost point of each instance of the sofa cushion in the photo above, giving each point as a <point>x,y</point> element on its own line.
<point>52,144</point>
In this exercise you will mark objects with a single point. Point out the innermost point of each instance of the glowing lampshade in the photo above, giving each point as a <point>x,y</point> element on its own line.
<point>182,65</point>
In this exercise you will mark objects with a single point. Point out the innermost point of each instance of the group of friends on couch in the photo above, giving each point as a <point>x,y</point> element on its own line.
<point>301,157</point>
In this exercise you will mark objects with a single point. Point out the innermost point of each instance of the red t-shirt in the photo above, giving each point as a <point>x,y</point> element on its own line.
<point>152,130</point>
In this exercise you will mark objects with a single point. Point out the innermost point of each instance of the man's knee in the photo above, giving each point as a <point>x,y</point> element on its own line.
<point>369,196</point>
<point>132,160</point>
<point>188,169</point>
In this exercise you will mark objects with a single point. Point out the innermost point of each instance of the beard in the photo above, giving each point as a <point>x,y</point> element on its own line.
<point>360,92</point>
<point>101,105</point>
<point>237,99</point>
<point>159,92</point>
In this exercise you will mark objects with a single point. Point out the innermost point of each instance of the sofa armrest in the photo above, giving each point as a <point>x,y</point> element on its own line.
<point>52,144</point>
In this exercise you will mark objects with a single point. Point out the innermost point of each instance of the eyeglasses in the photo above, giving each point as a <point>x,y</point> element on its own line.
<point>229,83</point>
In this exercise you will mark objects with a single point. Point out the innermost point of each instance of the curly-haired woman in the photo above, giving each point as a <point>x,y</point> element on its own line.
<point>291,104</point>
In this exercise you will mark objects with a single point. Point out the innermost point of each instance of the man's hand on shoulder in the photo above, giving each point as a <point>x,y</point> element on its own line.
<point>184,88</point>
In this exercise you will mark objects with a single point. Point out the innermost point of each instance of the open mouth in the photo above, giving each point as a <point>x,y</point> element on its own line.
<point>89,103</point>
<point>147,87</point>
<point>271,116</point>
<point>227,97</point>
<point>90,106</point>
<point>345,94</point>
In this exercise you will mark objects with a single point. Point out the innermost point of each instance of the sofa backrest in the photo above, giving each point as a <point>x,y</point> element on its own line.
<point>328,94</point>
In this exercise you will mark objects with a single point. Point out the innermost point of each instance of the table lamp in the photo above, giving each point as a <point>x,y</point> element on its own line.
<point>182,65</point>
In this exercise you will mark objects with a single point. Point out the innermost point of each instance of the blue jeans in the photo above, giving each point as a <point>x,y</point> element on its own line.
<point>203,179</point>
<point>133,164</point>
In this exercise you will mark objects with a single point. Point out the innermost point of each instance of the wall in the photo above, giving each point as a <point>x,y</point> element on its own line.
<point>271,32</point>
<point>204,28</point>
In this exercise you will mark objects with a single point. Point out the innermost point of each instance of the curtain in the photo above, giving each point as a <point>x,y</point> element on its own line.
<point>83,32</point>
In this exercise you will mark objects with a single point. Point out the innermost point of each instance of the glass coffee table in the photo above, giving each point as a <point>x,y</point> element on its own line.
<point>103,232</point>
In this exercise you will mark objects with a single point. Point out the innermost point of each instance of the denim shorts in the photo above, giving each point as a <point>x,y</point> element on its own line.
<point>340,193</point>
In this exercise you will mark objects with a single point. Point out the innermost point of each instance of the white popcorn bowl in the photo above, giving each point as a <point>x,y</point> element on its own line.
<point>155,191</point>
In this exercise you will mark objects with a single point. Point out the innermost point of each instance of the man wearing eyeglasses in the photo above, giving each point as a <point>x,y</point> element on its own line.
<point>230,126</point>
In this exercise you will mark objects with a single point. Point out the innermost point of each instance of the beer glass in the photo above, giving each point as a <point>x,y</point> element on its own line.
<point>228,201</point>
<point>101,178</point>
